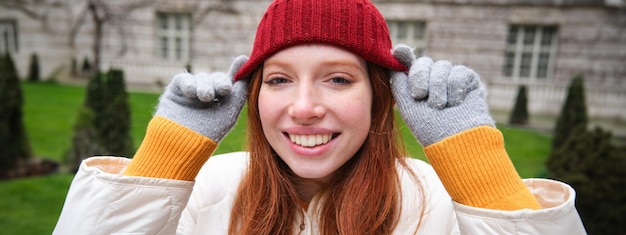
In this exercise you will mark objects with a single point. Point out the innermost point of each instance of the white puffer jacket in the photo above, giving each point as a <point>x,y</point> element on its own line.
<point>102,201</point>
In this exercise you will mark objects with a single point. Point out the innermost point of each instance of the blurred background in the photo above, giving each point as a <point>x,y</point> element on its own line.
<point>81,77</point>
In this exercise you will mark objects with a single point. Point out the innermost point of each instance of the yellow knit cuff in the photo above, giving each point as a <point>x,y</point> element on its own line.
<point>170,151</point>
<point>477,171</point>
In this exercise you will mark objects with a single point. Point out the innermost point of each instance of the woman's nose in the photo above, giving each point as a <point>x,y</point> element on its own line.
<point>307,105</point>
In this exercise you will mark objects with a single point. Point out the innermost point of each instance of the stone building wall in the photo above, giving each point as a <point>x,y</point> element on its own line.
<point>591,41</point>
<point>48,40</point>
<point>591,37</point>
<point>217,38</point>
<point>130,40</point>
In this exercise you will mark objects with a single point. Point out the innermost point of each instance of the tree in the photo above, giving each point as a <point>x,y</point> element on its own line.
<point>520,110</point>
<point>103,123</point>
<point>113,121</point>
<point>86,68</point>
<point>33,69</point>
<point>39,10</point>
<point>94,97</point>
<point>591,163</point>
<point>85,141</point>
<point>594,166</point>
<point>14,145</point>
<point>573,113</point>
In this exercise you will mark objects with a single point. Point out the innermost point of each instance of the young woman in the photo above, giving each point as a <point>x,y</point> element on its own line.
<point>323,152</point>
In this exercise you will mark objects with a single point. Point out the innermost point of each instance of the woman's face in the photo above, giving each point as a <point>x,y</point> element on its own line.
<point>315,107</point>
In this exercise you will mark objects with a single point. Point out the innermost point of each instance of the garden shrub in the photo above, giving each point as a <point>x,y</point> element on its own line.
<point>113,122</point>
<point>594,166</point>
<point>33,69</point>
<point>573,112</point>
<point>86,68</point>
<point>14,143</point>
<point>103,125</point>
<point>519,115</point>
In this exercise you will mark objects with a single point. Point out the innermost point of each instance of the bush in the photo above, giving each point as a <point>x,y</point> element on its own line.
<point>33,71</point>
<point>595,168</point>
<point>85,141</point>
<point>113,122</point>
<point>14,143</point>
<point>86,68</point>
<point>520,110</point>
<point>103,123</point>
<point>573,113</point>
<point>94,99</point>
<point>589,162</point>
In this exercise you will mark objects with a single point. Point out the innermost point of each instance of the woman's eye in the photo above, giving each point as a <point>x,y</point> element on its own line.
<point>340,80</point>
<point>276,80</point>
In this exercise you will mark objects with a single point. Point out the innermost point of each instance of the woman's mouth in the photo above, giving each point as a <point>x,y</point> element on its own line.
<point>310,140</point>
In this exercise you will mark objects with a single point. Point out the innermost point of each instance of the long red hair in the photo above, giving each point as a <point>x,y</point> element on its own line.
<point>364,198</point>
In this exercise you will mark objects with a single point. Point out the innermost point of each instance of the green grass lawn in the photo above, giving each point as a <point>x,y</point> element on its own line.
<point>50,111</point>
<point>32,205</point>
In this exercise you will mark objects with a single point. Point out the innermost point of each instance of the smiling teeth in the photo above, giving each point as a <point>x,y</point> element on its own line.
<point>310,140</point>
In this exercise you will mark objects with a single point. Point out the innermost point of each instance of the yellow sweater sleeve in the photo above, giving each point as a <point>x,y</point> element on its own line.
<point>476,171</point>
<point>170,151</point>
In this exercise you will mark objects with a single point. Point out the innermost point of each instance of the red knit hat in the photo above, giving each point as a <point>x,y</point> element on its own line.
<point>355,25</point>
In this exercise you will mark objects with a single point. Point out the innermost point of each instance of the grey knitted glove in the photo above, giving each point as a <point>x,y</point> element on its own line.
<point>438,100</point>
<point>206,103</point>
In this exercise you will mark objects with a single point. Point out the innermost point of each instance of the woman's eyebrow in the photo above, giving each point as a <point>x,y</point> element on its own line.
<point>343,63</point>
<point>275,63</point>
<point>281,64</point>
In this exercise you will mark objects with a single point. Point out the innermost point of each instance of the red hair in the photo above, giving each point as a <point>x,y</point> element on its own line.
<point>364,198</point>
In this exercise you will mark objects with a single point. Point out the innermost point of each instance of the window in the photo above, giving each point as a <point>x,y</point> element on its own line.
<point>529,53</point>
<point>411,33</point>
<point>174,36</point>
<point>8,36</point>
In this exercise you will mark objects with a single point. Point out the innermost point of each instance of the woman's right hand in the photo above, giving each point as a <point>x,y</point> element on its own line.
<point>205,103</point>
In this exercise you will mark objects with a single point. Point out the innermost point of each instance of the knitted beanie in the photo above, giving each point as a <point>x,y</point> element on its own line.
<point>355,25</point>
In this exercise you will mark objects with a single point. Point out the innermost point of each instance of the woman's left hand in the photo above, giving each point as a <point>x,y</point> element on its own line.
<point>436,99</point>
